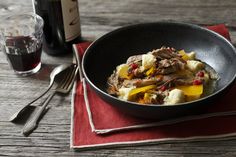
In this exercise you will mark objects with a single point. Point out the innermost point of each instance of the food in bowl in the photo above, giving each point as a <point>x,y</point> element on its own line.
<point>162,76</point>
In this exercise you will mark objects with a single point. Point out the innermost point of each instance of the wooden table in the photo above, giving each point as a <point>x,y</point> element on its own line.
<point>98,17</point>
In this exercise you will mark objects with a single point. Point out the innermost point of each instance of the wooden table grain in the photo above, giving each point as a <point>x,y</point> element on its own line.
<point>98,17</point>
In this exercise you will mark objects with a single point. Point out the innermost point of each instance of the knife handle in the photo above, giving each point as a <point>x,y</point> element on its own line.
<point>32,124</point>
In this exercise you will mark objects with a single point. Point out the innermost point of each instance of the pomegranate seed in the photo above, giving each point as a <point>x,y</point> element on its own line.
<point>200,74</point>
<point>134,66</point>
<point>163,88</point>
<point>197,82</point>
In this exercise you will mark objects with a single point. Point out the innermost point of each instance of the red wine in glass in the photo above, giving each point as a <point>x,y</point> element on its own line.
<point>23,53</point>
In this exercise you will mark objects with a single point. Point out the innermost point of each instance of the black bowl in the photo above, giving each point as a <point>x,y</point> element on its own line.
<point>112,49</point>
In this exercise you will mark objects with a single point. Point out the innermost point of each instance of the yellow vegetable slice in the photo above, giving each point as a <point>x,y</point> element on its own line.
<point>192,90</point>
<point>147,96</point>
<point>150,71</point>
<point>184,55</point>
<point>141,89</point>
<point>122,71</point>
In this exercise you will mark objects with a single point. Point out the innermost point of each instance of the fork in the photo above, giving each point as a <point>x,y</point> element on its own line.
<point>63,87</point>
<point>56,71</point>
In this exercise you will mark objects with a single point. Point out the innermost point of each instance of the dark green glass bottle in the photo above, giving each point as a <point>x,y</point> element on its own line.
<point>61,24</point>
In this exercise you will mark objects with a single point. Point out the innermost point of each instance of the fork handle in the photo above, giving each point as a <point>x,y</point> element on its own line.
<point>33,122</point>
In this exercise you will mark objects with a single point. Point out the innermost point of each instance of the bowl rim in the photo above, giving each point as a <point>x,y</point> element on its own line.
<point>190,25</point>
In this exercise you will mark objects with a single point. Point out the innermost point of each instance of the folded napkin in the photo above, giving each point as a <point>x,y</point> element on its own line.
<point>93,119</point>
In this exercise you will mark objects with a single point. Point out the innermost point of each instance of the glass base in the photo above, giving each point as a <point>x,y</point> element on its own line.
<point>29,72</point>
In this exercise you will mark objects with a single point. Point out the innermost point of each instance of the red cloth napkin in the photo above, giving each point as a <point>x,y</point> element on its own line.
<point>97,124</point>
<point>221,29</point>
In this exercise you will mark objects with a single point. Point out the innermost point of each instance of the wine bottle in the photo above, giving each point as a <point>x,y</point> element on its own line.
<point>61,24</point>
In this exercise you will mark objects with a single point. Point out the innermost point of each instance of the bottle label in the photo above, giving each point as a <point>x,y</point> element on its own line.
<point>71,19</point>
